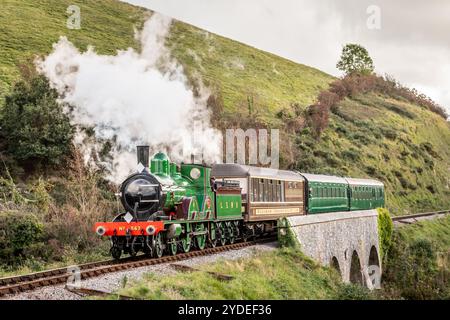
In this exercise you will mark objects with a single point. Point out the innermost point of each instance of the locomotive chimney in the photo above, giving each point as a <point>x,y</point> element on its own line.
<point>143,155</point>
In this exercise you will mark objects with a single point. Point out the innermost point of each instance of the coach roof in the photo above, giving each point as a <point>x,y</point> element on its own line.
<point>364,182</point>
<point>230,170</point>
<point>323,178</point>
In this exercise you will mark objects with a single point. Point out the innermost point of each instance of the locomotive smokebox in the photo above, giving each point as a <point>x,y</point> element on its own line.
<point>143,154</point>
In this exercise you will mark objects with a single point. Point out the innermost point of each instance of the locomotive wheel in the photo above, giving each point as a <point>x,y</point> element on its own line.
<point>200,239</point>
<point>116,252</point>
<point>186,243</point>
<point>237,231</point>
<point>132,252</point>
<point>158,246</point>
<point>213,236</point>
<point>231,235</point>
<point>172,245</point>
<point>223,234</point>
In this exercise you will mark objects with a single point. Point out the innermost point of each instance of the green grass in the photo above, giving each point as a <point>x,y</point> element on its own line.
<point>30,28</point>
<point>371,135</point>
<point>437,231</point>
<point>281,274</point>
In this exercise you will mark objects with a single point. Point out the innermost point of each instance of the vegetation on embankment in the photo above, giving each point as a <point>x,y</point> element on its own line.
<point>280,274</point>
<point>418,262</point>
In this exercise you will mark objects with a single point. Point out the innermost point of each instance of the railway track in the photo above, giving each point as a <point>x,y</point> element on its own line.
<point>413,218</point>
<point>17,284</point>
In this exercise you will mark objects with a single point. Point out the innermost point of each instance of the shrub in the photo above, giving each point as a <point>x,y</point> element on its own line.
<point>20,234</point>
<point>286,236</point>
<point>412,269</point>
<point>71,224</point>
<point>318,118</point>
<point>35,129</point>
<point>351,154</point>
<point>385,230</point>
<point>353,292</point>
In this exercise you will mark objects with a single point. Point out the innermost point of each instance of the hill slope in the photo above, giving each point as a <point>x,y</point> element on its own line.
<point>370,135</point>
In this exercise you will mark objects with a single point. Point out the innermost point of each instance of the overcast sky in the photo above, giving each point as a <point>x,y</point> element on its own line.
<point>410,41</point>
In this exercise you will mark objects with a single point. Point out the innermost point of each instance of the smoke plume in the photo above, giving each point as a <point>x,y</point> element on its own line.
<point>134,98</point>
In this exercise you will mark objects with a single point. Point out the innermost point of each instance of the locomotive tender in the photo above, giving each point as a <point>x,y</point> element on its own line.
<point>171,208</point>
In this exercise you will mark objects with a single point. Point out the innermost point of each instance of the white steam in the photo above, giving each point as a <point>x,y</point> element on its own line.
<point>137,97</point>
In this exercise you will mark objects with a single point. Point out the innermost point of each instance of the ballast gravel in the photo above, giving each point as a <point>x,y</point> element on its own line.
<point>113,281</point>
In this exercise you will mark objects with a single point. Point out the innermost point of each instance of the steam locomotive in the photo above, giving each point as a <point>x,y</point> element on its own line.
<point>170,208</point>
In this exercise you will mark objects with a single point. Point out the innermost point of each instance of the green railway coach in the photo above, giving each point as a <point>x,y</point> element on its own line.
<point>326,193</point>
<point>365,194</point>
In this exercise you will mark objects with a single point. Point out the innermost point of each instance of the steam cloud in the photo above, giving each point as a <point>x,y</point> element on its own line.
<point>134,97</point>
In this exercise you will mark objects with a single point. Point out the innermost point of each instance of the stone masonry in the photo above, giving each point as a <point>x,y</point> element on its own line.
<point>347,241</point>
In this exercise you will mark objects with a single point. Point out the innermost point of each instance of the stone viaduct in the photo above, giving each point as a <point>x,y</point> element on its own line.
<point>347,241</point>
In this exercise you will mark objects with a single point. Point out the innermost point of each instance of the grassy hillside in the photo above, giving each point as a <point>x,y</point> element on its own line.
<point>31,27</point>
<point>369,135</point>
<point>404,145</point>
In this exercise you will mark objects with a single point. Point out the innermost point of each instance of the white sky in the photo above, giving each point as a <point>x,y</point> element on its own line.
<point>413,43</point>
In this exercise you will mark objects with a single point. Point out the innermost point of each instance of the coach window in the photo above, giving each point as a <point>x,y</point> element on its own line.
<point>269,190</point>
<point>266,191</point>
<point>276,191</point>
<point>261,190</point>
<point>255,192</point>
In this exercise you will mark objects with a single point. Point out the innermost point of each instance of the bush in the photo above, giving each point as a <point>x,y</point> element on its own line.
<point>71,224</point>
<point>286,237</point>
<point>318,118</point>
<point>353,292</point>
<point>20,235</point>
<point>351,154</point>
<point>385,230</point>
<point>34,127</point>
<point>413,271</point>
